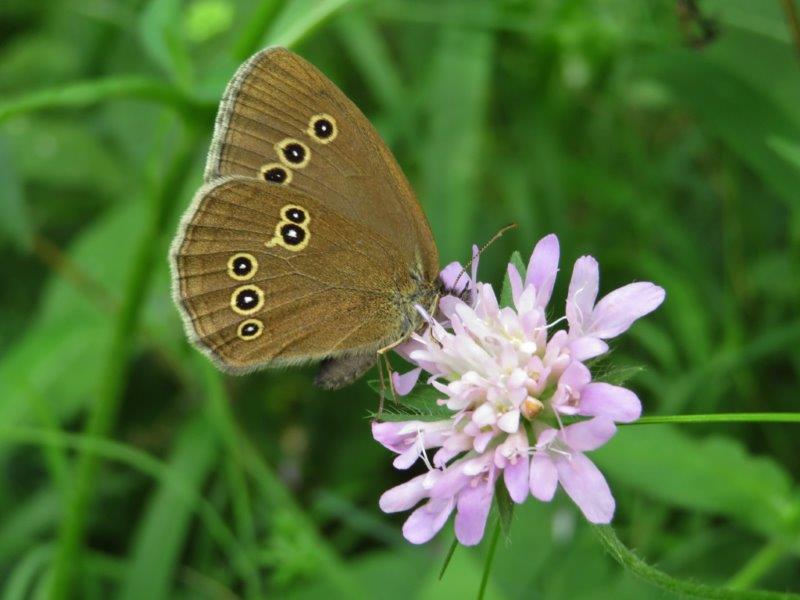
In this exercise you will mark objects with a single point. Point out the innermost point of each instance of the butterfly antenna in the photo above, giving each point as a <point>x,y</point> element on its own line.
<point>493,239</point>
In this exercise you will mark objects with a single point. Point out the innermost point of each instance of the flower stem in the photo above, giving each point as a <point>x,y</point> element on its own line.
<point>720,418</point>
<point>487,567</point>
<point>629,560</point>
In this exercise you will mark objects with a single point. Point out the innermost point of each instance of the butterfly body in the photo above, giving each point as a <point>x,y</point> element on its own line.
<point>306,243</point>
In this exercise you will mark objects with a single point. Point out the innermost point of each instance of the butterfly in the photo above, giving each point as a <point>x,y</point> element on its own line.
<point>306,241</point>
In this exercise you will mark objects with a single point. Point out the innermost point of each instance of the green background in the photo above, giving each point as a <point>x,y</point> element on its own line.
<point>670,154</point>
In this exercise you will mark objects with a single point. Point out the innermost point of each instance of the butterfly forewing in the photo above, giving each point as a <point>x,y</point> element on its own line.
<point>277,96</point>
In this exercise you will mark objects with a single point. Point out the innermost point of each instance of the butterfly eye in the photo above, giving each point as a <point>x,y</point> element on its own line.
<point>250,329</point>
<point>242,266</point>
<point>293,153</point>
<point>322,128</point>
<point>247,299</point>
<point>295,214</point>
<point>276,173</point>
<point>293,235</point>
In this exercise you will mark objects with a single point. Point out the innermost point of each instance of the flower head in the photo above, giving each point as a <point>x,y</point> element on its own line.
<point>508,378</point>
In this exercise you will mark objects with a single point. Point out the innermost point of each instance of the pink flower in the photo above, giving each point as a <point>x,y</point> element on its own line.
<point>558,458</point>
<point>507,378</point>
<point>590,323</point>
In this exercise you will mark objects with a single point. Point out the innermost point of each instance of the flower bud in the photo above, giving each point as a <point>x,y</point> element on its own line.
<point>531,407</point>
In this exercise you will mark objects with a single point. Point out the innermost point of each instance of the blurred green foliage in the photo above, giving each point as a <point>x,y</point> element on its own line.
<point>130,468</point>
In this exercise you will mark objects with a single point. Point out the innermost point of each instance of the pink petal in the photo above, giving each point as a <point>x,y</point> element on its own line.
<point>427,520</point>
<point>447,305</point>
<point>450,274</point>
<point>476,253</point>
<point>406,348</point>
<point>618,310</point>
<point>451,481</point>
<point>582,292</point>
<point>576,376</point>
<point>488,301</point>
<point>388,434</point>
<point>515,280</point>
<point>516,478</point>
<point>403,496</point>
<point>543,267</point>
<point>406,458</point>
<point>587,347</point>
<point>474,503</point>
<point>589,435</point>
<point>543,477</point>
<point>617,403</point>
<point>403,384</point>
<point>509,422</point>
<point>587,487</point>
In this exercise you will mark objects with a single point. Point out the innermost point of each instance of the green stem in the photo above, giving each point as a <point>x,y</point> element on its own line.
<point>629,560</point>
<point>105,408</point>
<point>487,567</point>
<point>758,566</point>
<point>721,418</point>
<point>86,93</point>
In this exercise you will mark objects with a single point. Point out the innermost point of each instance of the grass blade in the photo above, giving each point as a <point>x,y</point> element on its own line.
<point>104,410</point>
<point>87,93</point>
<point>448,557</point>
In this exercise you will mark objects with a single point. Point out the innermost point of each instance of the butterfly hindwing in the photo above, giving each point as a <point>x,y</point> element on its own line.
<point>253,295</point>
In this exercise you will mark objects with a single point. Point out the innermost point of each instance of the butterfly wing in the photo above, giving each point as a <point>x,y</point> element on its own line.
<point>276,100</point>
<point>265,275</point>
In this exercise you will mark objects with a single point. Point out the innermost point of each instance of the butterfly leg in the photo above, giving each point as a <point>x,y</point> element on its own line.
<point>389,374</point>
<point>383,389</point>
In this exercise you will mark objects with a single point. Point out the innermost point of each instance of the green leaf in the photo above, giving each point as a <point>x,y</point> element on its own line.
<point>725,98</point>
<point>59,358</point>
<point>420,404</point>
<point>506,295</point>
<point>764,18</point>
<point>20,582</point>
<point>60,152</point>
<point>448,557</point>
<point>87,93</point>
<point>15,223</point>
<point>786,149</point>
<point>505,507</point>
<point>713,475</point>
<point>619,375</point>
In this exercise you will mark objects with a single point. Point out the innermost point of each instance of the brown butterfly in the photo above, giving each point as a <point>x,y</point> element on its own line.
<point>306,241</point>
